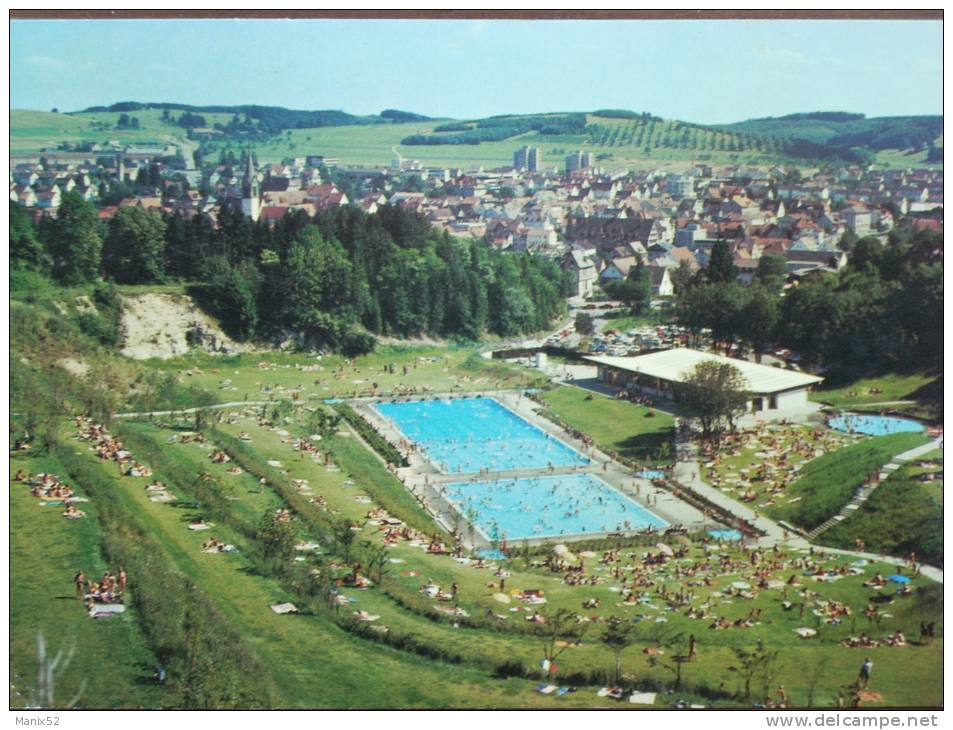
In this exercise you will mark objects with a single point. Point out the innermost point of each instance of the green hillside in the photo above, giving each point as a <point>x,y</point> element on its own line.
<point>617,139</point>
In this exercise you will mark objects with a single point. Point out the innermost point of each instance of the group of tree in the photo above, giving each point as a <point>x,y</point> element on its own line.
<point>881,312</point>
<point>127,122</point>
<point>329,281</point>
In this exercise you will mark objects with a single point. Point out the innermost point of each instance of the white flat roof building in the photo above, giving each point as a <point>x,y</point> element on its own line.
<point>771,388</point>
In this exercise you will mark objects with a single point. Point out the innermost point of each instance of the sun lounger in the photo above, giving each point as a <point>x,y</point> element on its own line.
<point>282,608</point>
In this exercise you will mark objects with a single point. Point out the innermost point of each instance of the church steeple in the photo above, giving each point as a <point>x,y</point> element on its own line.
<point>251,200</point>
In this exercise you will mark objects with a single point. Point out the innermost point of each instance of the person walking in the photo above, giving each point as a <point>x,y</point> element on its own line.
<point>864,678</point>
<point>80,580</point>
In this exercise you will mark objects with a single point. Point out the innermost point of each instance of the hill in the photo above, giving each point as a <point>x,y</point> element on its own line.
<point>844,131</point>
<point>617,138</point>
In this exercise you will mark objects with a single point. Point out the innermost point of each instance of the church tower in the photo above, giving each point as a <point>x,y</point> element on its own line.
<point>251,200</point>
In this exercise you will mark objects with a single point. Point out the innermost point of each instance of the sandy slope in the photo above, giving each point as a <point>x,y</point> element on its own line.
<point>156,325</point>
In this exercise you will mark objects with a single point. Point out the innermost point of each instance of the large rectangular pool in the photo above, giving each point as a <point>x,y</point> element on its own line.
<point>548,506</point>
<point>465,435</point>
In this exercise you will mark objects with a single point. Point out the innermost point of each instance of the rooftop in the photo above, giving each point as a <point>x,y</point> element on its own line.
<point>675,364</point>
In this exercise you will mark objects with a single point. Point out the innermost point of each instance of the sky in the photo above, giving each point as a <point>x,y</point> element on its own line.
<point>708,72</point>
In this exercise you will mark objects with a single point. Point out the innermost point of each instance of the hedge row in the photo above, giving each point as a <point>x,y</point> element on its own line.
<point>367,432</point>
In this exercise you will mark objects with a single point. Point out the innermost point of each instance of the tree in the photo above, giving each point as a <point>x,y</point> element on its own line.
<point>721,268</point>
<point>759,319</point>
<point>133,249</point>
<point>25,246</point>
<point>584,324</point>
<point>617,636</point>
<point>772,271</point>
<point>561,625</point>
<point>757,662</point>
<point>713,392</point>
<point>73,240</point>
<point>682,277</point>
<point>277,538</point>
<point>344,537</point>
<point>635,290</point>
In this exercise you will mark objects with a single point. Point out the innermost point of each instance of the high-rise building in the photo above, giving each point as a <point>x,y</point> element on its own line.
<point>526,158</point>
<point>532,159</point>
<point>578,161</point>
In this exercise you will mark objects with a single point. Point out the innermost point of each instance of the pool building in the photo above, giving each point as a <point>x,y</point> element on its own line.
<point>775,392</point>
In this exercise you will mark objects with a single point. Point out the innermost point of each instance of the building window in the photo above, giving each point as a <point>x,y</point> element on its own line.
<point>773,402</point>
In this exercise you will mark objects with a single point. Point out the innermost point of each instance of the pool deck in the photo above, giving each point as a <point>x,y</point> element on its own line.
<point>425,481</point>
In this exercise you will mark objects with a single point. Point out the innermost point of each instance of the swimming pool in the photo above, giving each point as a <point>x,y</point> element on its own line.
<point>548,506</point>
<point>874,425</point>
<point>651,474</point>
<point>726,534</point>
<point>466,435</point>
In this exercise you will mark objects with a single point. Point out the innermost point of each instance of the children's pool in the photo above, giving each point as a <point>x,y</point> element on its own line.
<point>874,425</point>
<point>651,474</point>
<point>466,435</point>
<point>548,506</point>
<point>726,534</point>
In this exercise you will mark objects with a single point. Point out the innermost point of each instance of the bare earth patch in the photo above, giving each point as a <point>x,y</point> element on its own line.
<point>161,325</point>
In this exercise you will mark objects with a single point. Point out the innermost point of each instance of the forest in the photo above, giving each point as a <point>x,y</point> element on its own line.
<point>332,281</point>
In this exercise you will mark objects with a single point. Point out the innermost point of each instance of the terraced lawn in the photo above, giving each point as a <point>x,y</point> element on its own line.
<point>112,664</point>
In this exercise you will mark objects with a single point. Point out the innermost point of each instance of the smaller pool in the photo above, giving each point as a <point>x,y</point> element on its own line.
<point>725,534</point>
<point>874,425</point>
<point>490,554</point>
<point>651,474</point>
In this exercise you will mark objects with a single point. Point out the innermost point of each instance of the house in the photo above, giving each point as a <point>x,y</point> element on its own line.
<point>618,268</point>
<point>858,219</point>
<point>662,285</point>
<point>580,264</point>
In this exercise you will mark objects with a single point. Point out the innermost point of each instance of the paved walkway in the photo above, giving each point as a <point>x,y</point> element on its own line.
<point>865,490</point>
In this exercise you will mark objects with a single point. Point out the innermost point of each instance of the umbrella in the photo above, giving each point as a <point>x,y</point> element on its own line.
<point>898,579</point>
<point>665,549</point>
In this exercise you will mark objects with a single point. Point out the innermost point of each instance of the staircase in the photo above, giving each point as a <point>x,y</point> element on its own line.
<point>866,489</point>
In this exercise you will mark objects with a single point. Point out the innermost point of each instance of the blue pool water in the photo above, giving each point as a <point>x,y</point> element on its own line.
<point>651,474</point>
<point>469,434</point>
<point>875,425</point>
<point>548,506</point>
<point>725,534</point>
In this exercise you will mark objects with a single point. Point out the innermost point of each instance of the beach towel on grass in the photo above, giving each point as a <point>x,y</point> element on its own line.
<point>202,526</point>
<point>106,610</point>
<point>283,608</point>
<point>642,698</point>
<point>546,689</point>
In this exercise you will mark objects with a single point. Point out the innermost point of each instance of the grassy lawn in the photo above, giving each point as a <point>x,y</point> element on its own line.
<point>615,425</point>
<point>828,483</point>
<point>485,647</point>
<point>903,515</point>
<point>314,663</point>
<point>761,461</point>
<point>46,551</point>
<point>924,388</point>
<point>275,376</point>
